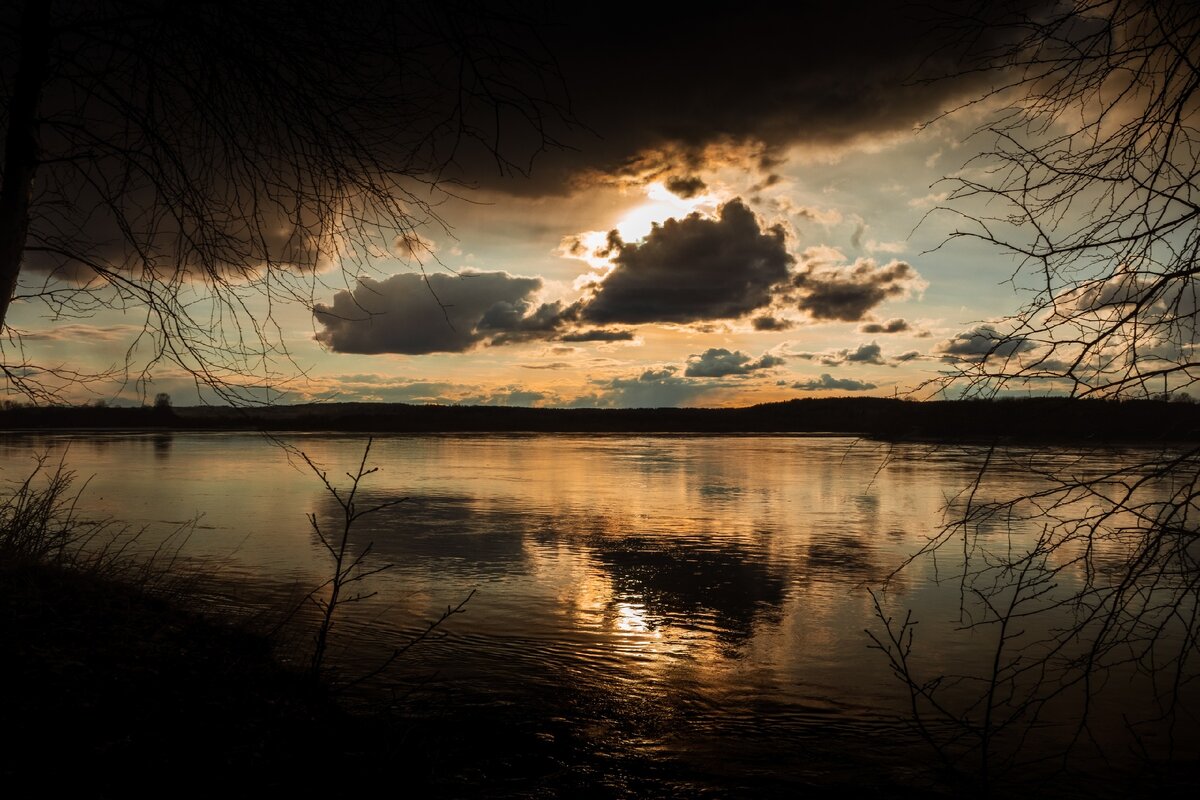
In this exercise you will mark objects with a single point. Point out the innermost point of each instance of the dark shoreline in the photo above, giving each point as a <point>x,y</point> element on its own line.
<point>110,690</point>
<point>1052,420</point>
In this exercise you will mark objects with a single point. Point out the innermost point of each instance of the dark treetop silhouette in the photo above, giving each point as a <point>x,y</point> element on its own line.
<point>195,164</point>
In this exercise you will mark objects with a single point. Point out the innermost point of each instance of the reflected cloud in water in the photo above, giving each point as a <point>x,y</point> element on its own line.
<point>693,584</point>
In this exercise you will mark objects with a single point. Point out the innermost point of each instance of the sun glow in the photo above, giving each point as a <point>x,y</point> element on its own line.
<point>592,247</point>
<point>662,205</point>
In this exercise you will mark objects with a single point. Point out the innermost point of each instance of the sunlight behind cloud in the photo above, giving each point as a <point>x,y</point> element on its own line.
<point>592,247</point>
<point>662,205</point>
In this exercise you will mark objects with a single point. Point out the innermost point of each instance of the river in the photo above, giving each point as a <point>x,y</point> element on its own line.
<point>658,614</point>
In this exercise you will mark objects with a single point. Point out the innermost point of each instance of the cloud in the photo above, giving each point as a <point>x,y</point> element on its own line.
<point>1135,298</point>
<point>386,389</point>
<point>891,326</point>
<point>686,187</point>
<point>597,335</point>
<point>692,269</point>
<point>885,247</point>
<point>506,396</point>
<point>367,387</point>
<point>929,200</point>
<point>856,238</point>
<point>412,246</point>
<point>686,271</point>
<point>653,388</point>
<point>827,217</point>
<point>768,322</point>
<point>848,292</point>
<point>413,314</point>
<point>866,354</point>
<point>243,233</point>
<point>83,333</point>
<point>981,343</point>
<point>769,83</point>
<point>717,362</point>
<point>863,354</point>
<point>827,381</point>
<point>664,161</point>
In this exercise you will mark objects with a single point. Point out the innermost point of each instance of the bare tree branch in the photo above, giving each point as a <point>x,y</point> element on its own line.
<point>201,164</point>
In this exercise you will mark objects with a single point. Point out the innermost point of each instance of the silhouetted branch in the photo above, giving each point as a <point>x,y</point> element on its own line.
<point>351,570</point>
<point>198,166</point>
<point>1088,179</point>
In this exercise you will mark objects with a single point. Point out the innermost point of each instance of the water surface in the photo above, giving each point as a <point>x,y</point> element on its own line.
<point>664,612</point>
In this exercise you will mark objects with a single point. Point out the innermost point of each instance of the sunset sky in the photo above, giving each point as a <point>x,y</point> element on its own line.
<point>748,210</point>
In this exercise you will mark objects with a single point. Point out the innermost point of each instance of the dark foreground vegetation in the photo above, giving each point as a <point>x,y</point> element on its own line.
<point>1032,419</point>
<point>120,677</point>
<point>109,690</point>
<point>112,684</point>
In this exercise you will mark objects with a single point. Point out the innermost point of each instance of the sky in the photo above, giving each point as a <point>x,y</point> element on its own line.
<point>732,209</point>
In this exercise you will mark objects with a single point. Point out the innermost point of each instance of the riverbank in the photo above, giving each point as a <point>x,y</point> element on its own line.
<point>113,691</point>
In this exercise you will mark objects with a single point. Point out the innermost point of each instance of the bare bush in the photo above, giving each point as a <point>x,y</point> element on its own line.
<point>351,568</point>
<point>1086,592</point>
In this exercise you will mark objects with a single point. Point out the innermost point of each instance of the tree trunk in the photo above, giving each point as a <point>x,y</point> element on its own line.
<point>21,146</point>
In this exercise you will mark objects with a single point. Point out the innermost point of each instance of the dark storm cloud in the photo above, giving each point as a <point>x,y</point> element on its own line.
<point>847,293</point>
<point>412,314</point>
<point>891,326</point>
<point>686,187</point>
<point>514,317</point>
<point>827,381</point>
<point>690,270</point>
<point>768,322</point>
<point>818,74</point>
<point>693,269</point>
<point>717,362</point>
<point>982,343</point>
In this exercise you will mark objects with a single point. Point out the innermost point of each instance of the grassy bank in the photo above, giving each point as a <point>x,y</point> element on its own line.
<point>114,684</point>
<point>108,689</point>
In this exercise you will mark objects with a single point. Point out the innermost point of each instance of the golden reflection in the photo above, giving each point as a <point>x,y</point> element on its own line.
<point>631,618</point>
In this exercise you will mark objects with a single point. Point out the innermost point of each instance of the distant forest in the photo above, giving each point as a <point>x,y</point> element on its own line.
<point>1060,419</point>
